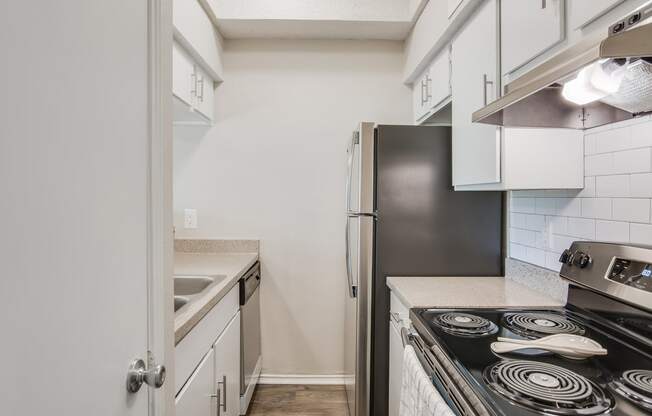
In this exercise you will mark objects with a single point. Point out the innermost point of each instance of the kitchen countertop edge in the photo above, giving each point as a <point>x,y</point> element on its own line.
<point>184,324</point>
<point>463,292</point>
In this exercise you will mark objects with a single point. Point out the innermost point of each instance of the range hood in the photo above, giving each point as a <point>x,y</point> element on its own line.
<point>596,82</point>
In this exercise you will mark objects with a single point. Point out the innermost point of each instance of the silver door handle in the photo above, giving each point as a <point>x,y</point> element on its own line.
<point>223,382</point>
<point>349,273</point>
<point>218,396</point>
<point>193,82</point>
<point>138,374</point>
<point>200,95</point>
<point>485,82</point>
<point>543,4</point>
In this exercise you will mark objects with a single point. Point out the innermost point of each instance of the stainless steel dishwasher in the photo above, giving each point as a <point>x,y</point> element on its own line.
<point>250,350</point>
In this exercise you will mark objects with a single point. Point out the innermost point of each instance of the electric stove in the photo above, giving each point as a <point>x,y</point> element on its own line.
<point>610,301</point>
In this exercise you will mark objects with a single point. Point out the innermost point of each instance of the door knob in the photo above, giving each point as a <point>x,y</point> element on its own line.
<point>138,374</point>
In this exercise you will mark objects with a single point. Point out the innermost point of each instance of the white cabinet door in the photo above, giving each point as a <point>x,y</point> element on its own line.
<point>227,368</point>
<point>183,75</point>
<point>420,97</point>
<point>204,102</point>
<point>439,79</point>
<point>529,28</point>
<point>476,147</point>
<point>195,399</point>
<point>583,12</point>
<point>395,368</point>
<point>194,29</point>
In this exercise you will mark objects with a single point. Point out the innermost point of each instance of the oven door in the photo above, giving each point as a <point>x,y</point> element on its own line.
<point>444,377</point>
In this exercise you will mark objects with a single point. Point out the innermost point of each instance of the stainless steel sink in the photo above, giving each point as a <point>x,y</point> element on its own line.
<point>191,285</point>
<point>187,288</point>
<point>180,302</point>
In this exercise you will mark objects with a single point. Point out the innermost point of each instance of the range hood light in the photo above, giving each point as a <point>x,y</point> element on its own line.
<point>594,82</point>
<point>581,90</point>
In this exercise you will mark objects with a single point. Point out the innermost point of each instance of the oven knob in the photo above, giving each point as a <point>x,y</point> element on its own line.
<point>566,257</point>
<point>582,259</point>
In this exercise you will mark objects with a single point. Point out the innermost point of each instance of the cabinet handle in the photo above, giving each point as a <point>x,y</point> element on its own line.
<point>485,82</point>
<point>193,84</point>
<point>222,402</point>
<point>428,88</point>
<point>543,4</point>
<point>422,92</point>
<point>218,396</point>
<point>200,94</point>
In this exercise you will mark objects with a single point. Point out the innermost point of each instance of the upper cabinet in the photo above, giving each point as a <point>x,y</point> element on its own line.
<point>476,147</point>
<point>583,12</point>
<point>192,88</point>
<point>529,28</point>
<point>194,30</point>
<point>432,89</point>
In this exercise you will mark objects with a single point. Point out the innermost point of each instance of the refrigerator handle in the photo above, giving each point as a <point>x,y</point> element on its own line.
<point>349,272</point>
<point>349,177</point>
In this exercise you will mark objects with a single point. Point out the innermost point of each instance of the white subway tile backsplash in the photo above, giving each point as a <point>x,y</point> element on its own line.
<point>524,237</point>
<point>581,227</point>
<point>602,164</point>
<point>545,206</point>
<point>640,185</point>
<point>535,222</point>
<point>523,205</point>
<point>641,234</point>
<point>518,251</point>
<point>632,210</point>
<point>568,207</point>
<point>613,140</point>
<point>612,186</point>
<point>612,231</point>
<point>641,135</point>
<point>633,161</point>
<point>535,256</point>
<point>590,144</point>
<point>589,188</point>
<point>552,261</point>
<point>557,225</point>
<point>596,208</point>
<point>615,204</point>
<point>559,243</point>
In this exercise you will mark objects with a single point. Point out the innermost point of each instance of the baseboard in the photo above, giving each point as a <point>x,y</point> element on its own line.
<point>324,379</point>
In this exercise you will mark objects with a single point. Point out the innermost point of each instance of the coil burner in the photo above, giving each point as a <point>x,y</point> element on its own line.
<point>547,388</point>
<point>636,386</point>
<point>536,325</point>
<point>465,324</point>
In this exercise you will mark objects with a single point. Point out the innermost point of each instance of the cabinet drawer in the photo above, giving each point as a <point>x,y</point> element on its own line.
<point>193,347</point>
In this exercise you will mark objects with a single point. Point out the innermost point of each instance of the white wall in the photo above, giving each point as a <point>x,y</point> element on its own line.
<point>273,167</point>
<point>615,204</point>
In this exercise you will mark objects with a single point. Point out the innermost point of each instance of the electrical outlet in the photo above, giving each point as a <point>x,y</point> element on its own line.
<point>189,218</point>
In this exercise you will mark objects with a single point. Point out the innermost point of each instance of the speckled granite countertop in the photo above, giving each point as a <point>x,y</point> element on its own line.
<point>233,265</point>
<point>463,292</point>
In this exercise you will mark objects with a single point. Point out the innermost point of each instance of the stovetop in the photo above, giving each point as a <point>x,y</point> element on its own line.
<point>598,385</point>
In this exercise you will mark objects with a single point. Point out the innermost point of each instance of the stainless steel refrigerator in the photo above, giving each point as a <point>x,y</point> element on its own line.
<point>403,218</point>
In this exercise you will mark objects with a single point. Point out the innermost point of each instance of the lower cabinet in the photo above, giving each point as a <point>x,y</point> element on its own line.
<point>198,396</point>
<point>214,386</point>
<point>227,368</point>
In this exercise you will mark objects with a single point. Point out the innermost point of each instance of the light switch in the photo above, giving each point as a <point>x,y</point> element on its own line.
<point>189,218</point>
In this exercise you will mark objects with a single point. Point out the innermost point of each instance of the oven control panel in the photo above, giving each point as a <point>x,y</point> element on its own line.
<point>632,273</point>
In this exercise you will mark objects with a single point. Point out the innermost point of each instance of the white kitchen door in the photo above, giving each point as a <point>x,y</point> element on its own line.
<point>80,228</point>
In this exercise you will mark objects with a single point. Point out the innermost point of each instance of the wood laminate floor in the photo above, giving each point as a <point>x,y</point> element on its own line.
<point>295,400</point>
